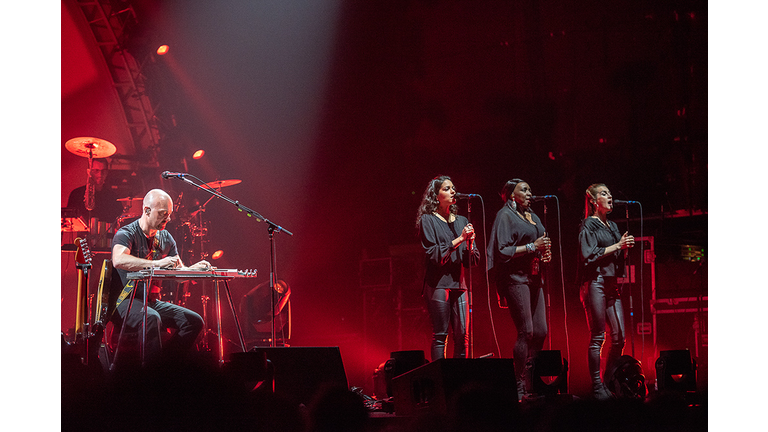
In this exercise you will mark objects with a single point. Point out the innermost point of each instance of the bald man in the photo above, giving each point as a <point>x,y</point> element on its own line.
<point>142,244</point>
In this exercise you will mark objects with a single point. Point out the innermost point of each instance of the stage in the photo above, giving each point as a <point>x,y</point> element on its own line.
<point>308,392</point>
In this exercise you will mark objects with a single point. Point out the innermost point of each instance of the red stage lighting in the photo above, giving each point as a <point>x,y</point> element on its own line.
<point>198,154</point>
<point>162,49</point>
<point>218,254</point>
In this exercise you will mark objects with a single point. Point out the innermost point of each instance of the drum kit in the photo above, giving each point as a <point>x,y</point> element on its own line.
<point>191,224</point>
<point>194,227</point>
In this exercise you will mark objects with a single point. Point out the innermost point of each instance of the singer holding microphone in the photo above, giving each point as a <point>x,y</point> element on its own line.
<point>517,246</point>
<point>601,263</point>
<point>449,246</point>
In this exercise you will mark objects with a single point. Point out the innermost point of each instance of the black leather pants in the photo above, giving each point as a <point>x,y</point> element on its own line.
<point>602,303</point>
<point>448,310</point>
<point>529,313</point>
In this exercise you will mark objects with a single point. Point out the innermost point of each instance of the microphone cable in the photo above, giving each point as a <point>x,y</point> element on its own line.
<point>642,285</point>
<point>487,280</point>
<point>562,284</point>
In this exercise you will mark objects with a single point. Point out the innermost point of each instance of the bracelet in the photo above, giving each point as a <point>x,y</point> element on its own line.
<point>530,248</point>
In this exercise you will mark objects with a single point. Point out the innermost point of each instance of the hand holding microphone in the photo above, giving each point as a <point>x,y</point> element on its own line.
<point>627,241</point>
<point>543,244</point>
<point>469,234</point>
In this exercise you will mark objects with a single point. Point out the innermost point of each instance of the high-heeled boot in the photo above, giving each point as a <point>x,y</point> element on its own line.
<point>520,388</point>
<point>524,381</point>
<point>599,390</point>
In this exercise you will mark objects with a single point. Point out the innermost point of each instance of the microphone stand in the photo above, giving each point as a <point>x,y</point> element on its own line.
<point>469,287</point>
<point>628,271</point>
<point>546,283</point>
<point>271,229</point>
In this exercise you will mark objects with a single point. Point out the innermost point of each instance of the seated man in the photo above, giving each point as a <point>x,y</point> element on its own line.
<point>146,243</point>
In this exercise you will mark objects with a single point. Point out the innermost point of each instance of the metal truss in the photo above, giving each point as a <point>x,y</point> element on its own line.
<point>111,23</point>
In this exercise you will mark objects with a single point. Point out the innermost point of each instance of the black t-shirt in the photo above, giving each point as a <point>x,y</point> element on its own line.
<point>594,237</point>
<point>132,237</point>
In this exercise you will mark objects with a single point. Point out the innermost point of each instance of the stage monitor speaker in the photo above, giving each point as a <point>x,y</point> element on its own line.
<point>433,387</point>
<point>300,373</point>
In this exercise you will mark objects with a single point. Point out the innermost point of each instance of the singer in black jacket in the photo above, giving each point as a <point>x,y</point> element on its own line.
<point>517,246</point>
<point>447,239</point>
<point>601,263</point>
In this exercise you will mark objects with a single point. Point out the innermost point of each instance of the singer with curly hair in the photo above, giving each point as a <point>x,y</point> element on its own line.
<point>449,246</point>
<point>601,262</point>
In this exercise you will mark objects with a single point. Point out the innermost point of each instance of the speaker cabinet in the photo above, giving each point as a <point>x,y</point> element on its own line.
<point>300,373</point>
<point>433,387</point>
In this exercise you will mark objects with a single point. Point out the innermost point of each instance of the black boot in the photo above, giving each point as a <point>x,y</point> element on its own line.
<point>599,390</point>
<point>524,381</point>
<point>520,389</point>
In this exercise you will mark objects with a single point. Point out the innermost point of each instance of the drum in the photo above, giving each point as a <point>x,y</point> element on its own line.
<point>100,236</point>
<point>132,206</point>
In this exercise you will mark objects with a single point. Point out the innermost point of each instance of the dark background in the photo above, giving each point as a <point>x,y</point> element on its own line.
<point>335,115</point>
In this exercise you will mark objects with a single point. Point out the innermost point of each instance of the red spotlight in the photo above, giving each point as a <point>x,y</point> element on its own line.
<point>198,154</point>
<point>216,255</point>
<point>162,49</point>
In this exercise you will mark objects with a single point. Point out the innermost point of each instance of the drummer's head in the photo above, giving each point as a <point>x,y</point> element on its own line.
<point>98,170</point>
<point>157,207</point>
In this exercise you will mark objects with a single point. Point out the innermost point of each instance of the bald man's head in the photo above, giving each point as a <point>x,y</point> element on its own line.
<point>158,207</point>
<point>156,196</point>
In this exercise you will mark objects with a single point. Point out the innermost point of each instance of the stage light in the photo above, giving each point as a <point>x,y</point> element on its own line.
<point>399,363</point>
<point>676,371</point>
<point>549,373</point>
<point>257,311</point>
<point>624,378</point>
<point>198,154</point>
<point>162,50</point>
<point>218,254</point>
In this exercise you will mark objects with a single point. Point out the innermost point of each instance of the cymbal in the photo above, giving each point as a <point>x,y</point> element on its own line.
<point>130,199</point>
<point>222,183</point>
<point>91,147</point>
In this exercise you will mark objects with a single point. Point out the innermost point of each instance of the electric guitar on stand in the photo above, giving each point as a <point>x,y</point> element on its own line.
<point>87,335</point>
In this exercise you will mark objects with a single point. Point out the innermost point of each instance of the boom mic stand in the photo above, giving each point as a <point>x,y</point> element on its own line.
<point>271,229</point>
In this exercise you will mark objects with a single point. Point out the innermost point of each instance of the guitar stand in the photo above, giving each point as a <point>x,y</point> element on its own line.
<point>147,280</point>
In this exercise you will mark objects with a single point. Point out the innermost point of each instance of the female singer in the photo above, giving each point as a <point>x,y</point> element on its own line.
<point>601,262</point>
<point>518,244</point>
<point>446,238</point>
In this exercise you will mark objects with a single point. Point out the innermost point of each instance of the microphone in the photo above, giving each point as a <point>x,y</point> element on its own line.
<point>167,174</point>
<point>465,196</point>
<point>622,202</point>
<point>541,198</point>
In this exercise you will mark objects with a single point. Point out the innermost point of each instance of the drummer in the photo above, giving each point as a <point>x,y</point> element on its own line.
<point>107,208</point>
